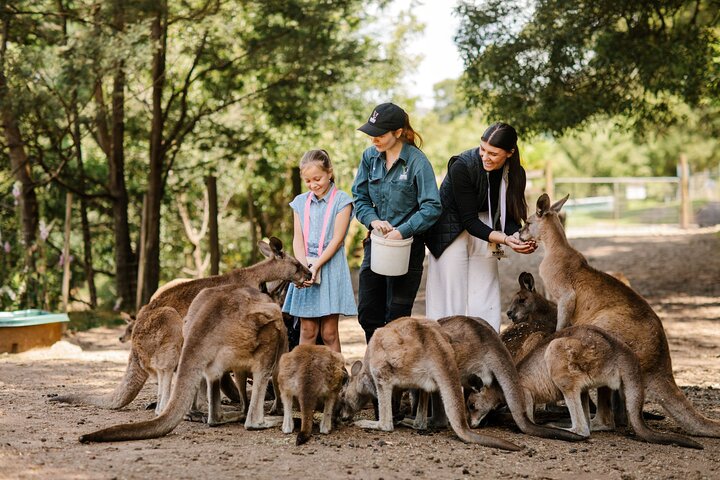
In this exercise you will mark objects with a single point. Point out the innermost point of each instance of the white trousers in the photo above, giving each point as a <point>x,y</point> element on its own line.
<point>463,281</point>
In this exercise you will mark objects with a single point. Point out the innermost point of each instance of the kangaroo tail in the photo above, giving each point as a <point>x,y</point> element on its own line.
<point>124,393</point>
<point>666,392</point>
<point>451,394</point>
<point>181,400</point>
<point>509,381</point>
<point>634,401</point>
<point>307,408</point>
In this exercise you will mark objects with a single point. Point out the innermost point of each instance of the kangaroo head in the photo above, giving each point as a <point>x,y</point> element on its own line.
<point>356,391</point>
<point>287,267</point>
<point>524,303</point>
<point>127,334</point>
<point>545,214</point>
<point>483,401</point>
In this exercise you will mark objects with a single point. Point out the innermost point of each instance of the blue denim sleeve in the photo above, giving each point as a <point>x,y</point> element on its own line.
<point>364,210</point>
<point>428,201</point>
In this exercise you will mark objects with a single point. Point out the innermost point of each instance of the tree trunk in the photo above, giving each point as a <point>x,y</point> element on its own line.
<point>158,37</point>
<point>20,165</point>
<point>211,184</point>
<point>125,263</point>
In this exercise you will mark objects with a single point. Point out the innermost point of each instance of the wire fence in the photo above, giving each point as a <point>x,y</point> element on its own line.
<point>624,201</point>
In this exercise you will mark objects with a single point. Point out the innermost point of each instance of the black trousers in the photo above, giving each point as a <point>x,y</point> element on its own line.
<point>382,299</point>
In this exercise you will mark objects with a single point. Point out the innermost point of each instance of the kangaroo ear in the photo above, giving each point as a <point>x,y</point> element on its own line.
<point>543,204</point>
<point>276,245</point>
<point>559,204</point>
<point>527,281</point>
<point>356,367</point>
<point>265,249</point>
<point>127,317</point>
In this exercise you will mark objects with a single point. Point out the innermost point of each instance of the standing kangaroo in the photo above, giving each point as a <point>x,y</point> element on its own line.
<point>411,353</point>
<point>226,328</point>
<point>534,318</point>
<point>586,296</point>
<point>157,332</point>
<point>569,363</point>
<point>312,374</point>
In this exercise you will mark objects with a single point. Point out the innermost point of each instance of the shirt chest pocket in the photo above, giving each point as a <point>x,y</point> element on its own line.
<point>402,196</point>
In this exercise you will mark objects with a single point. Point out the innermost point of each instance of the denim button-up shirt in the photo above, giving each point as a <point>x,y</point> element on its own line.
<point>406,196</point>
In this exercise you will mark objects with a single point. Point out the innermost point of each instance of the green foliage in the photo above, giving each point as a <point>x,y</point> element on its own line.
<point>559,64</point>
<point>248,87</point>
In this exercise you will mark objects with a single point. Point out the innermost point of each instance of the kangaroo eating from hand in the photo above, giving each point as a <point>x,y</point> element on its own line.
<point>586,296</point>
<point>565,366</point>
<point>156,334</point>
<point>410,353</point>
<point>226,328</point>
<point>313,374</point>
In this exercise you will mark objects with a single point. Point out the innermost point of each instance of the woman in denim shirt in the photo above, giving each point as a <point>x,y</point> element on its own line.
<point>394,193</point>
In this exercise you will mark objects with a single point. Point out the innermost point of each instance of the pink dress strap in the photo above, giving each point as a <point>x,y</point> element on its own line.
<point>306,221</point>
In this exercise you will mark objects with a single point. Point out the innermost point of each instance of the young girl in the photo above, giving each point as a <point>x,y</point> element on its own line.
<point>321,220</point>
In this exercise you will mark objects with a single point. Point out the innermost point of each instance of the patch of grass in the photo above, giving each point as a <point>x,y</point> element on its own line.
<point>81,321</point>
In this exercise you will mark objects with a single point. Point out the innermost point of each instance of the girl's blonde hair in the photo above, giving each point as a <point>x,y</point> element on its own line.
<point>318,156</point>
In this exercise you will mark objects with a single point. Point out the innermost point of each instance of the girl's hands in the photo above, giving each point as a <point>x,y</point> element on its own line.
<point>314,271</point>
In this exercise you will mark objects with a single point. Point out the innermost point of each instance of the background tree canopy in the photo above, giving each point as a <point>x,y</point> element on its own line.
<point>550,66</point>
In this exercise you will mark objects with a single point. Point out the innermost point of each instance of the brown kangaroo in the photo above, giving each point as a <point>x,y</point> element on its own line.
<point>130,320</point>
<point>226,328</point>
<point>569,363</point>
<point>156,333</point>
<point>410,353</point>
<point>534,317</point>
<point>312,374</point>
<point>586,296</point>
<point>480,353</point>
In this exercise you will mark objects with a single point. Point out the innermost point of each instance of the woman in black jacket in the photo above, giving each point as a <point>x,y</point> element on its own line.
<point>483,199</point>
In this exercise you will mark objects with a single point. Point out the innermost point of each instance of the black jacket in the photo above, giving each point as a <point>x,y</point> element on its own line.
<point>450,225</point>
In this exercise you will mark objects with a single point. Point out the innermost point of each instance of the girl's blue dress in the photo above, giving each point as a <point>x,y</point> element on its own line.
<point>334,294</point>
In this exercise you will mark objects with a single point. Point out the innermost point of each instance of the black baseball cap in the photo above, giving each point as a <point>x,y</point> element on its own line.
<point>385,117</point>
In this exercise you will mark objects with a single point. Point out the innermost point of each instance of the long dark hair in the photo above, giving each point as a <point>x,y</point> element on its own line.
<point>504,136</point>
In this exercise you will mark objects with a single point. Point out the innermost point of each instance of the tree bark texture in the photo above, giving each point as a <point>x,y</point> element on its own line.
<point>158,36</point>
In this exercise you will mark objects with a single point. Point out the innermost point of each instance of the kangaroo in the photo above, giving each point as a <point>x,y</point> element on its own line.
<point>565,366</point>
<point>533,316</point>
<point>586,296</point>
<point>479,353</point>
<point>130,320</point>
<point>226,328</point>
<point>155,325</point>
<point>312,374</point>
<point>410,353</point>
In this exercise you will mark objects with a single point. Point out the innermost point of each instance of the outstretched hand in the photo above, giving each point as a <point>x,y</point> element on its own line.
<point>519,246</point>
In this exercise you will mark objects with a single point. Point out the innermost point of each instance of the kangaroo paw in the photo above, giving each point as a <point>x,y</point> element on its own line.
<point>196,416</point>
<point>268,422</point>
<point>227,417</point>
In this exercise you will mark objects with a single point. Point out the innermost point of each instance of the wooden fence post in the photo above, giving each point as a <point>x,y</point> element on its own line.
<point>549,180</point>
<point>141,255</point>
<point>66,252</point>
<point>685,206</point>
<point>211,185</point>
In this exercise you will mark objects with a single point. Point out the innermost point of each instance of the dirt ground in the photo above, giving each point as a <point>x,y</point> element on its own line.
<point>678,272</point>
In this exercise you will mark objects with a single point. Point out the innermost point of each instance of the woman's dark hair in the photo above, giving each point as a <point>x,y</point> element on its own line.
<point>409,135</point>
<point>504,136</point>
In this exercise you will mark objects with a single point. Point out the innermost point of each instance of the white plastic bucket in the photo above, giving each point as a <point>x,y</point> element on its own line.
<point>390,257</point>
